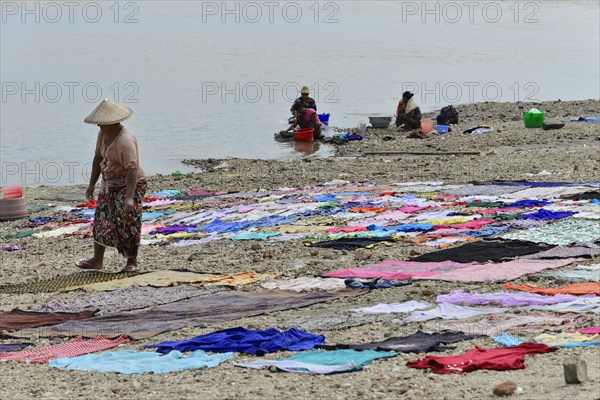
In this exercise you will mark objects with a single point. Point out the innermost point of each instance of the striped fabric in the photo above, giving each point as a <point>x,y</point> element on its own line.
<point>76,347</point>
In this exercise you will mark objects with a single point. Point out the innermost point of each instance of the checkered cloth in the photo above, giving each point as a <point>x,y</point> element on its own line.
<point>76,347</point>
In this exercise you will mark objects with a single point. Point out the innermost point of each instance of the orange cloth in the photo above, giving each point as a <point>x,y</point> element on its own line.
<point>576,288</point>
<point>368,209</point>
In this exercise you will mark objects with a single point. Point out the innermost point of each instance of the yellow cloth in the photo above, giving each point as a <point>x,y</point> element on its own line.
<point>564,338</point>
<point>172,278</point>
<point>448,220</point>
<point>242,278</point>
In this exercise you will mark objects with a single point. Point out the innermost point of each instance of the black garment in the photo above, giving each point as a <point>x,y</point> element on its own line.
<point>309,103</point>
<point>350,243</point>
<point>482,251</point>
<point>582,196</point>
<point>419,342</point>
<point>413,122</point>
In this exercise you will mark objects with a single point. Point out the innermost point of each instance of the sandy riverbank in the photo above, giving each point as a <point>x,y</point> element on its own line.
<point>511,152</point>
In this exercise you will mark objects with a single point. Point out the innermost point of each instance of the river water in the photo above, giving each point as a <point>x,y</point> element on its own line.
<point>216,79</point>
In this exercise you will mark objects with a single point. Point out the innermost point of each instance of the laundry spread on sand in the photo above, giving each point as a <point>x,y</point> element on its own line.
<point>62,282</point>
<point>220,307</point>
<point>577,289</point>
<point>452,271</point>
<point>5,348</point>
<point>507,340</point>
<point>499,359</point>
<point>321,362</point>
<point>593,330</point>
<point>171,278</point>
<point>139,362</point>
<point>242,340</point>
<point>483,251</point>
<point>563,232</point>
<point>396,269</point>
<point>581,273</point>
<point>480,232</point>
<point>346,217</point>
<point>419,342</point>
<point>583,304</point>
<point>305,284</point>
<point>75,347</point>
<point>337,321</point>
<point>524,323</point>
<point>503,271</point>
<point>20,319</point>
<point>568,339</point>
<point>130,298</point>
<point>508,299</point>
<point>406,307</point>
<point>449,311</point>
<point>588,251</point>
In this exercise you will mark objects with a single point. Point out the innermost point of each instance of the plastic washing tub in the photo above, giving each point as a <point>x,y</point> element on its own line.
<point>442,128</point>
<point>534,120</point>
<point>427,125</point>
<point>324,118</point>
<point>304,135</point>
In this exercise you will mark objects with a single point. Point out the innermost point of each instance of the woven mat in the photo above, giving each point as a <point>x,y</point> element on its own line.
<point>62,282</point>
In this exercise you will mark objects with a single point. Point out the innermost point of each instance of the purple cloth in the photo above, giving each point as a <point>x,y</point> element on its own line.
<point>168,230</point>
<point>504,298</point>
<point>536,184</point>
<point>5,348</point>
<point>33,222</point>
<point>542,213</point>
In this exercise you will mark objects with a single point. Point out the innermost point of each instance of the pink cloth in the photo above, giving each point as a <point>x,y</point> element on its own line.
<point>475,224</point>
<point>347,230</point>
<point>76,347</point>
<point>396,269</point>
<point>394,215</point>
<point>594,330</point>
<point>410,209</point>
<point>309,113</point>
<point>497,210</point>
<point>505,271</point>
<point>202,192</point>
<point>447,231</point>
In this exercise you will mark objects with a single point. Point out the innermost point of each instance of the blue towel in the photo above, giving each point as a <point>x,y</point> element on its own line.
<point>138,362</point>
<point>322,362</point>
<point>507,340</point>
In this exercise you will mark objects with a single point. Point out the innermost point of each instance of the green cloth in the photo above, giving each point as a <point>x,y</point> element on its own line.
<point>505,217</point>
<point>33,208</point>
<point>22,234</point>
<point>339,357</point>
<point>485,205</point>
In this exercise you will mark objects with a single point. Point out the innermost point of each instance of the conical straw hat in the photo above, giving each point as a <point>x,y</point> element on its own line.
<point>108,113</point>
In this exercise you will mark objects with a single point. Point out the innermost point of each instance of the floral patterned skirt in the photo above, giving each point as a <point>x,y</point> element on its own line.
<point>115,228</point>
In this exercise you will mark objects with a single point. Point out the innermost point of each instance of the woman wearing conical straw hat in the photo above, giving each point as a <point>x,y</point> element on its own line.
<point>118,216</point>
